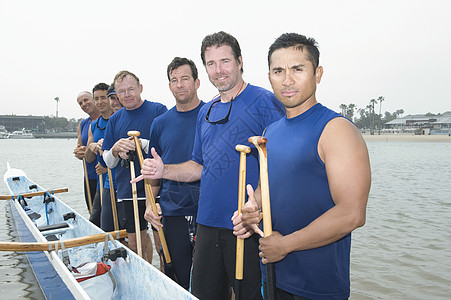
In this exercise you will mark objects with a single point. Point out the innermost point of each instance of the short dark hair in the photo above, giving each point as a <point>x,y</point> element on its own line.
<point>299,42</point>
<point>181,61</point>
<point>100,87</point>
<point>219,39</point>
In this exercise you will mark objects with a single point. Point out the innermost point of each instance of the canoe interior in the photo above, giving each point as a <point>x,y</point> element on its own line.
<point>135,278</point>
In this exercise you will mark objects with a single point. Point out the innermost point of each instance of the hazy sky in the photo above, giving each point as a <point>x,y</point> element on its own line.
<point>397,49</point>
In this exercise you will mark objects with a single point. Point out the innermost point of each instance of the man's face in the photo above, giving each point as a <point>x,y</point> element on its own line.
<point>222,68</point>
<point>293,79</point>
<point>129,92</point>
<point>115,103</point>
<point>86,103</point>
<point>101,101</point>
<point>182,84</point>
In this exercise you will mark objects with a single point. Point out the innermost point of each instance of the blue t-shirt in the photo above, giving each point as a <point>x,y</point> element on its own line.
<point>121,122</point>
<point>299,193</point>
<point>84,131</point>
<point>98,127</point>
<point>172,136</point>
<point>214,148</point>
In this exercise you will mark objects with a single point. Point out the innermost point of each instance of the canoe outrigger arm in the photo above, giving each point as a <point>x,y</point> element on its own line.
<point>32,194</point>
<point>61,244</point>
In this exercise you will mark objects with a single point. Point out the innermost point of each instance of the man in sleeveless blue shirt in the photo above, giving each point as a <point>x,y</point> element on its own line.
<point>94,145</point>
<point>240,111</point>
<point>172,136</point>
<point>138,115</point>
<point>319,179</point>
<point>86,102</point>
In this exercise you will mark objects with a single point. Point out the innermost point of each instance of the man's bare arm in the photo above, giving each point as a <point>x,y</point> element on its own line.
<point>154,168</point>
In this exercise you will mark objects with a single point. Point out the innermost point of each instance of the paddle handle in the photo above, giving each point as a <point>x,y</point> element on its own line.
<point>33,194</point>
<point>113,200</point>
<point>135,210</point>
<point>88,189</point>
<point>150,198</point>
<point>260,144</point>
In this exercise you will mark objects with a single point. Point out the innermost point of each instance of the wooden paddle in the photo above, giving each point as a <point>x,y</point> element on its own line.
<point>88,189</point>
<point>113,200</point>
<point>241,199</point>
<point>260,144</point>
<point>69,243</point>
<point>101,188</point>
<point>135,206</point>
<point>33,194</point>
<point>169,267</point>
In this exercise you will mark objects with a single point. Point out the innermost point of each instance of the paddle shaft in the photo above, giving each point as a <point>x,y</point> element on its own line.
<point>33,194</point>
<point>88,189</point>
<point>69,243</point>
<point>113,200</point>
<point>241,199</point>
<point>150,198</point>
<point>135,210</point>
<point>101,188</point>
<point>260,143</point>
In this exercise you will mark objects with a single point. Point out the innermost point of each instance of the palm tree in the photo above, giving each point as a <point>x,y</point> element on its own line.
<point>350,111</point>
<point>399,112</point>
<point>343,109</point>
<point>372,103</point>
<point>380,99</point>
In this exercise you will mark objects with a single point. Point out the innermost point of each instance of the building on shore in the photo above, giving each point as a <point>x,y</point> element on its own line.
<point>421,124</point>
<point>37,126</point>
<point>13,123</point>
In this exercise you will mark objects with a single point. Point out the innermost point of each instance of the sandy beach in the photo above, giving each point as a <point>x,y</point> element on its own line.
<point>407,138</point>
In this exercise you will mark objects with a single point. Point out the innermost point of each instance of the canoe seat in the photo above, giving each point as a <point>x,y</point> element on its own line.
<point>52,238</point>
<point>60,228</point>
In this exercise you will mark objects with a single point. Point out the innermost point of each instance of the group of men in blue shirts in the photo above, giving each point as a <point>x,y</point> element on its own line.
<point>318,167</point>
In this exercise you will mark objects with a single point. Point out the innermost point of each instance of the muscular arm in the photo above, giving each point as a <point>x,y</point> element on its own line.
<point>345,155</point>
<point>184,172</point>
<point>154,168</point>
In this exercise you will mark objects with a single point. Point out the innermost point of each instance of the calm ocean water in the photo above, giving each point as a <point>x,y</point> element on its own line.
<point>403,251</point>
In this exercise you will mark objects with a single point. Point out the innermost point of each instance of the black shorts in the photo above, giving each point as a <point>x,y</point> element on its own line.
<point>128,215</point>
<point>180,247</point>
<point>214,264</point>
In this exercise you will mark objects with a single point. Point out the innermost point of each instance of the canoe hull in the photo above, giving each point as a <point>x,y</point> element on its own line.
<point>135,278</point>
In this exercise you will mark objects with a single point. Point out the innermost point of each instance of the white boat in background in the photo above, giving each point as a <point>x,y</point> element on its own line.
<point>46,219</point>
<point>3,132</point>
<point>21,134</point>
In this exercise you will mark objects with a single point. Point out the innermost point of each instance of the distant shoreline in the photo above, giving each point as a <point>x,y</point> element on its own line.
<point>407,138</point>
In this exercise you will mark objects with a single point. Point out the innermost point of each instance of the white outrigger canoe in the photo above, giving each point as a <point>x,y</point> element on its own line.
<point>45,219</point>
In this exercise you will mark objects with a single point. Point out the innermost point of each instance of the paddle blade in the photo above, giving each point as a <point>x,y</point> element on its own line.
<point>237,289</point>
<point>169,270</point>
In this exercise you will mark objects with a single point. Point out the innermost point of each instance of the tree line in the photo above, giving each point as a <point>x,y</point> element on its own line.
<point>367,117</point>
<point>60,124</point>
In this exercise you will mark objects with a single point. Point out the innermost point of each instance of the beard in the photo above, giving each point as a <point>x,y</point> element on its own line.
<point>223,86</point>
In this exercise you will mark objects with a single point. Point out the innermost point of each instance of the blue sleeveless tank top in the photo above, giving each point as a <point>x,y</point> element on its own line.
<point>299,193</point>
